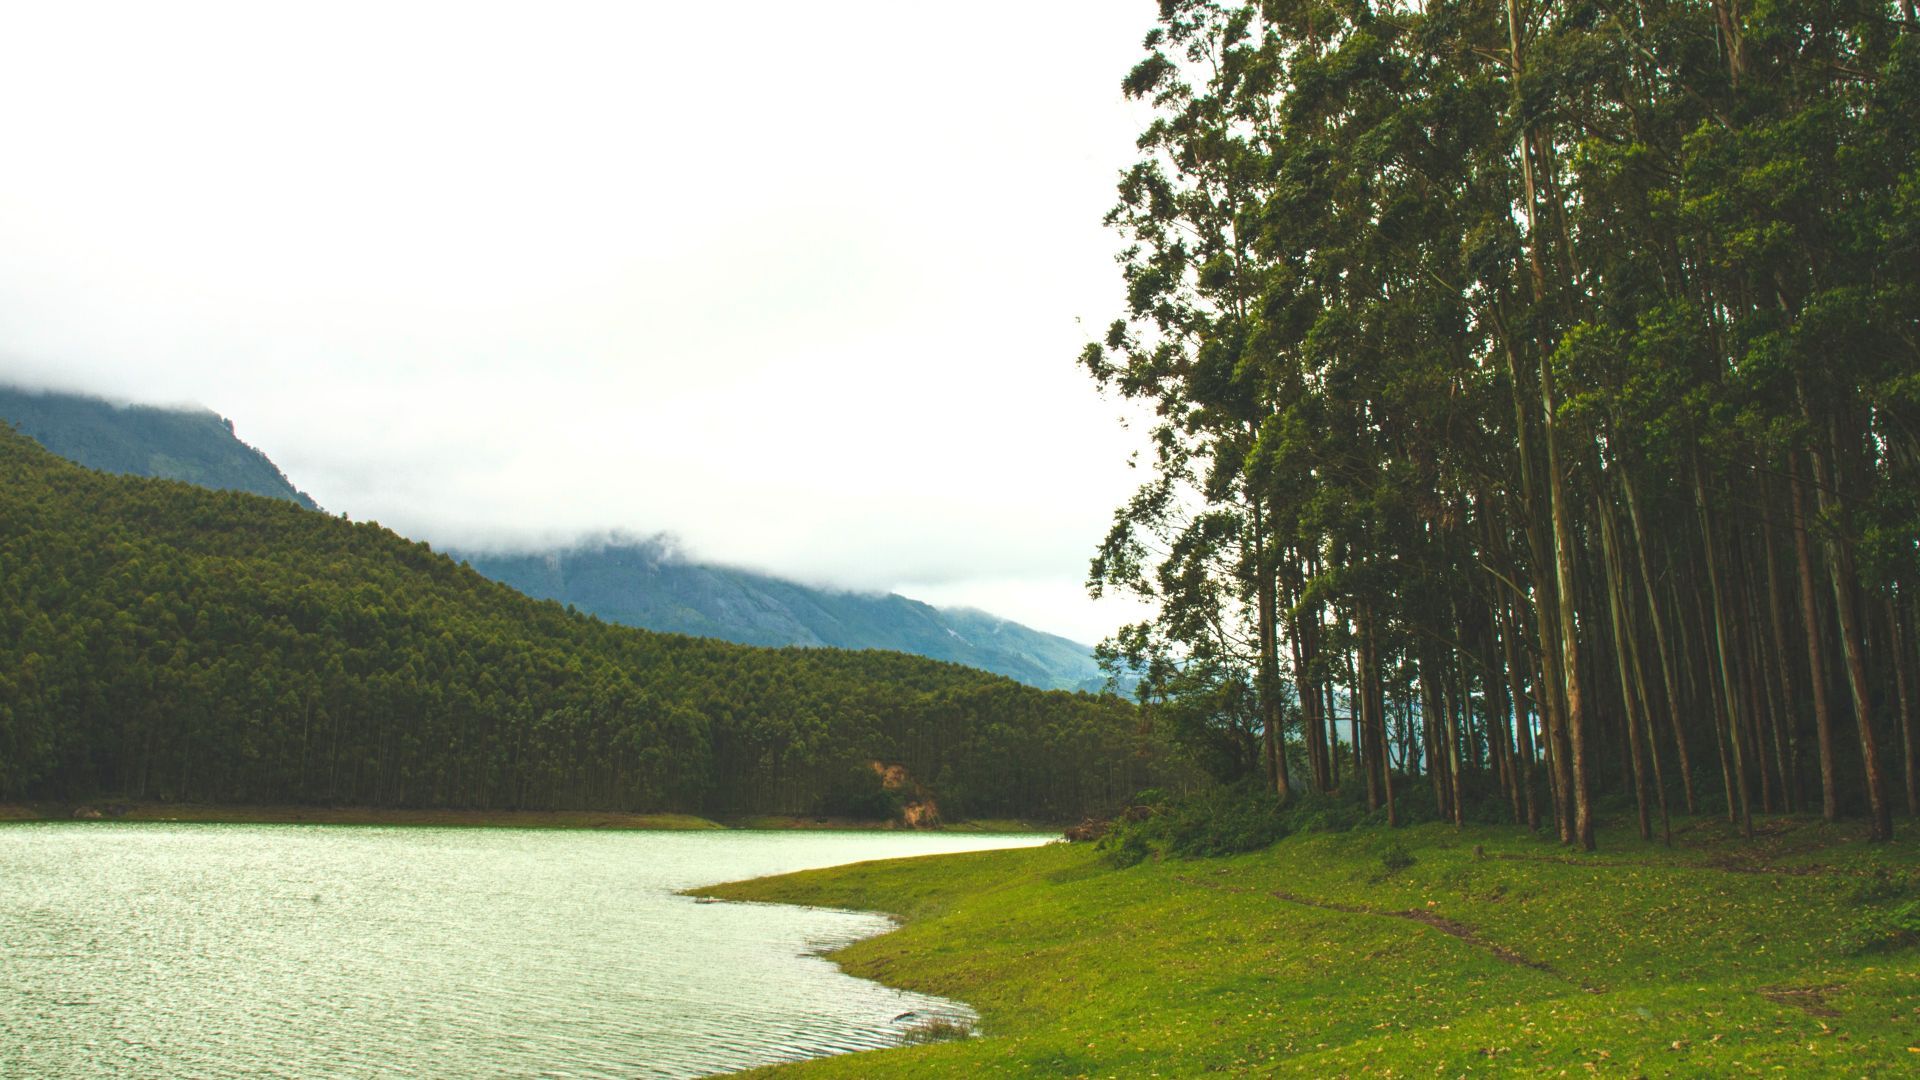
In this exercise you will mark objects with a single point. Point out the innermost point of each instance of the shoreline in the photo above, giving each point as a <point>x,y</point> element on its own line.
<point>1282,960</point>
<point>282,814</point>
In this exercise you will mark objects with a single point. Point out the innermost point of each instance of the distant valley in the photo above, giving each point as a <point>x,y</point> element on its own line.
<point>639,582</point>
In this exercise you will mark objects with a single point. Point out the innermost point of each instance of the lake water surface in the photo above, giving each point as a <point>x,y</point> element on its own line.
<point>158,950</point>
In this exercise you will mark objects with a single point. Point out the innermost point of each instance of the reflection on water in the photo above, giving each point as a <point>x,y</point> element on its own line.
<point>309,951</point>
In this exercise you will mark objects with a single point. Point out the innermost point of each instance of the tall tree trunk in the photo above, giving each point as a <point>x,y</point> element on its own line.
<point>1313,727</point>
<point>1272,718</point>
<point>1816,665</point>
<point>1522,718</point>
<point>1430,739</point>
<point>1575,734</point>
<point>1568,777</point>
<point>1546,626</point>
<point>1904,690</point>
<point>1840,572</point>
<point>1357,722</point>
<point>1378,709</point>
<point>1668,679</point>
<point>1730,727</point>
<point>1499,728</point>
<point>1622,646</point>
<point>1563,549</point>
<point>1456,793</point>
<point>1783,679</point>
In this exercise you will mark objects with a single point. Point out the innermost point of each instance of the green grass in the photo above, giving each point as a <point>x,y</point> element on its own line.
<point>1720,957</point>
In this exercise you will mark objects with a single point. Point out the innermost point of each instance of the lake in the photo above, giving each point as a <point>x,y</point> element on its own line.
<point>161,950</point>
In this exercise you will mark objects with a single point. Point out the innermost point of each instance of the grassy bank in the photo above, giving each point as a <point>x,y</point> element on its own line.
<point>514,819</point>
<point>1422,951</point>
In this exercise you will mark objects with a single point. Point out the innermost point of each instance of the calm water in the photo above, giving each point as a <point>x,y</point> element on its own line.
<point>323,951</point>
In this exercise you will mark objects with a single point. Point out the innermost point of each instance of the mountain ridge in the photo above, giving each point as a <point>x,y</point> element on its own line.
<point>195,445</point>
<point>642,582</point>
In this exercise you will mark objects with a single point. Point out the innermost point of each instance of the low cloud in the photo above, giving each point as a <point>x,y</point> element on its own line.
<point>807,302</point>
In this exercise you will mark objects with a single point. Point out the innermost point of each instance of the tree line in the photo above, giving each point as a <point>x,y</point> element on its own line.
<point>160,641</point>
<point>1537,403</point>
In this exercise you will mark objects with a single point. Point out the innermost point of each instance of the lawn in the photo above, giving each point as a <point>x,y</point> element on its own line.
<point>1424,951</point>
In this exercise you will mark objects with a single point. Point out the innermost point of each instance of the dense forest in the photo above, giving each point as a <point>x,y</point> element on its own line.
<point>1537,397</point>
<point>160,641</point>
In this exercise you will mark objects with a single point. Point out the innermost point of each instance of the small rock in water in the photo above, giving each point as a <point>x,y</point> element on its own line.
<point>905,1016</point>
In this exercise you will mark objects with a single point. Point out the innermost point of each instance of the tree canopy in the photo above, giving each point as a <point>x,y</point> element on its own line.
<point>1538,383</point>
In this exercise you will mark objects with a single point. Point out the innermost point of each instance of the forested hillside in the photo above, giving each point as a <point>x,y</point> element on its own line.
<point>1542,379</point>
<point>162,641</point>
<point>195,445</point>
<point>635,582</point>
<point>645,583</point>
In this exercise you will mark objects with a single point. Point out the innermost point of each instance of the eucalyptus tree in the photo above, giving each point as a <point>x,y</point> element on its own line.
<point>1546,372</point>
<point>1188,211</point>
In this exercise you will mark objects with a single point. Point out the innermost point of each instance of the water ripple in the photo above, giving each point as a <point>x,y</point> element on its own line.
<point>307,951</point>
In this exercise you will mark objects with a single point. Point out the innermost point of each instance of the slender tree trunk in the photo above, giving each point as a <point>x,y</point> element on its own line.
<point>1737,793</point>
<point>1499,728</point>
<point>1560,782</point>
<point>1430,736</point>
<point>1377,709</point>
<point>1903,689</point>
<point>1357,705</point>
<point>1840,572</point>
<point>1783,680</point>
<point>1816,667</point>
<point>1333,732</point>
<point>1522,718</point>
<point>1271,716</point>
<point>1575,770</point>
<point>1563,546</point>
<point>1668,679</point>
<point>1616,610</point>
<point>1742,628</point>
<point>1455,789</point>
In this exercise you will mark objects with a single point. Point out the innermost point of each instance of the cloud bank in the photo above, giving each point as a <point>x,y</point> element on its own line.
<point>799,284</point>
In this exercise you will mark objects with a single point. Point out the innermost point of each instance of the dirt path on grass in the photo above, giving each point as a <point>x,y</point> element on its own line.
<point>1451,927</point>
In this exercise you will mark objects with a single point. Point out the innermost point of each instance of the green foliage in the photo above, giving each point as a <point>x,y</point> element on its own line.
<point>1395,857</point>
<point>861,794</point>
<point>1318,812</point>
<point>159,641</point>
<point>1217,820</point>
<point>1895,928</point>
<point>1889,917</point>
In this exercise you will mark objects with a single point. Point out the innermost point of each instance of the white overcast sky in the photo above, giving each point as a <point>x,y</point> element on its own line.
<point>799,283</point>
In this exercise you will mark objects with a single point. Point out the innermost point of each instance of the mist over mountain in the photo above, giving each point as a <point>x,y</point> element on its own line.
<point>645,582</point>
<point>640,582</point>
<point>194,445</point>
